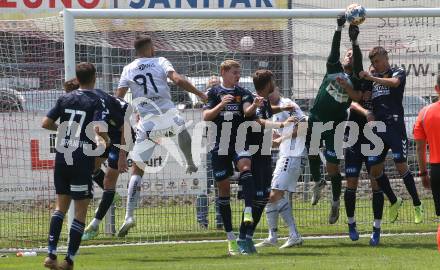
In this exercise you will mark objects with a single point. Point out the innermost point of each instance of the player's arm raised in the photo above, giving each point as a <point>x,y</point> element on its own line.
<point>213,107</point>
<point>180,81</point>
<point>250,109</point>
<point>390,82</point>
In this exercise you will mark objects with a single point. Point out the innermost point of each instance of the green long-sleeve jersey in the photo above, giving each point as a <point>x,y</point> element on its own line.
<point>332,102</point>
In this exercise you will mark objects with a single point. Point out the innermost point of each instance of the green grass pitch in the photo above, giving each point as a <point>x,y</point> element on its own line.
<point>395,252</point>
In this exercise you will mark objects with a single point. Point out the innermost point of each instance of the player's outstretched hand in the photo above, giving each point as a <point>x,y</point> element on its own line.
<point>353,32</point>
<point>226,99</point>
<point>276,142</point>
<point>288,108</point>
<point>365,75</point>
<point>203,97</point>
<point>258,101</point>
<point>341,20</point>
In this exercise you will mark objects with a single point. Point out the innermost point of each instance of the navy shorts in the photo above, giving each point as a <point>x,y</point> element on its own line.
<point>222,165</point>
<point>75,181</point>
<point>395,139</point>
<point>112,156</point>
<point>327,137</point>
<point>112,152</point>
<point>354,158</point>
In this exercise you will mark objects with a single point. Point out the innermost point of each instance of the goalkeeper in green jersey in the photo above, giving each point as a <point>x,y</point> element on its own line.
<point>341,85</point>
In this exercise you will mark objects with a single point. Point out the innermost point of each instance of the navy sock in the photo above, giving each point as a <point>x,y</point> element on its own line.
<point>225,211</point>
<point>378,201</point>
<point>56,223</point>
<point>257,212</point>
<point>336,186</point>
<point>247,182</point>
<point>385,186</point>
<point>315,168</point>
<point>243,229</point>
<point>98,178</point>
<point>350,201</point>
<point>106,202</point>
<point>410,185</point>
<point>76,232</point>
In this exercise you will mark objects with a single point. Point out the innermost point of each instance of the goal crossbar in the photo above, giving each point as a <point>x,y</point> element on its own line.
<point>71,14</point>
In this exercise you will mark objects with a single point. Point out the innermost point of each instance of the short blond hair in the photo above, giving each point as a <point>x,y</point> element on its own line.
<point>228,64</point>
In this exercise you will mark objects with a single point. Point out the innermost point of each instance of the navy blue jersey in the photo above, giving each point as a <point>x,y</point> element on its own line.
<point>82,107</point>
<point>232,112</point>
<point>365,102</point>
<point>387,101</point>
<point>256,138</point>
<point>116,112</point>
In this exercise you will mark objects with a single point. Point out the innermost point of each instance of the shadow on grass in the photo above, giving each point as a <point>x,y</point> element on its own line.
<point>364,243</point>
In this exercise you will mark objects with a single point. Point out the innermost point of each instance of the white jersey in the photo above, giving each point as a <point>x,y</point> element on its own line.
<point>147,78</point>
<point>288,147</point>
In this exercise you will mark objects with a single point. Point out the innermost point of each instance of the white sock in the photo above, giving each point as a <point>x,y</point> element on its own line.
<point>272,219</point>
<point>286,213</point>
<point>95,223</point>
<point>376,223</point>
<point>134,188</point>
<point>230,236</point>
<point>351,220</point>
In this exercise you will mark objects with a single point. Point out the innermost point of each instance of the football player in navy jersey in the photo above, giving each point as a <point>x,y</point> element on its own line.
<point>354,158</point>
<point>117,108</point>
<point>75,158</point>
<point>387,95</point>
<point>260,110</point>
<point>225,109</point>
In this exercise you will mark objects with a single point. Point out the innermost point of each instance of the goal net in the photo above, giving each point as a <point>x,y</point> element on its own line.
<point>174,205</point>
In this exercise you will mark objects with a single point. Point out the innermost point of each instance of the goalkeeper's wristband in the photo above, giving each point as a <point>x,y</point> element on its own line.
<point>355,42</point>
<point>339,28</point>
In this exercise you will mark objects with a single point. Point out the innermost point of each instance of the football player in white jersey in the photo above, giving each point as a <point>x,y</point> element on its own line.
<point>286,173</point>
<point>147,79</point>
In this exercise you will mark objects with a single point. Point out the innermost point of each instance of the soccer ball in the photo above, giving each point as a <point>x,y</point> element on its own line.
<point>355,14</point>
<point>246,43</point>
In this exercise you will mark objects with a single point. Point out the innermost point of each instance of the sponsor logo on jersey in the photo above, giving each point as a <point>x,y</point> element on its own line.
<point>350,170</point>
<point>380,90</point>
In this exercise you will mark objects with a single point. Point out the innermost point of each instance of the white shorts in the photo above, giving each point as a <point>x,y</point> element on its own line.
<point>286,173</point>
<point>149,132</point>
